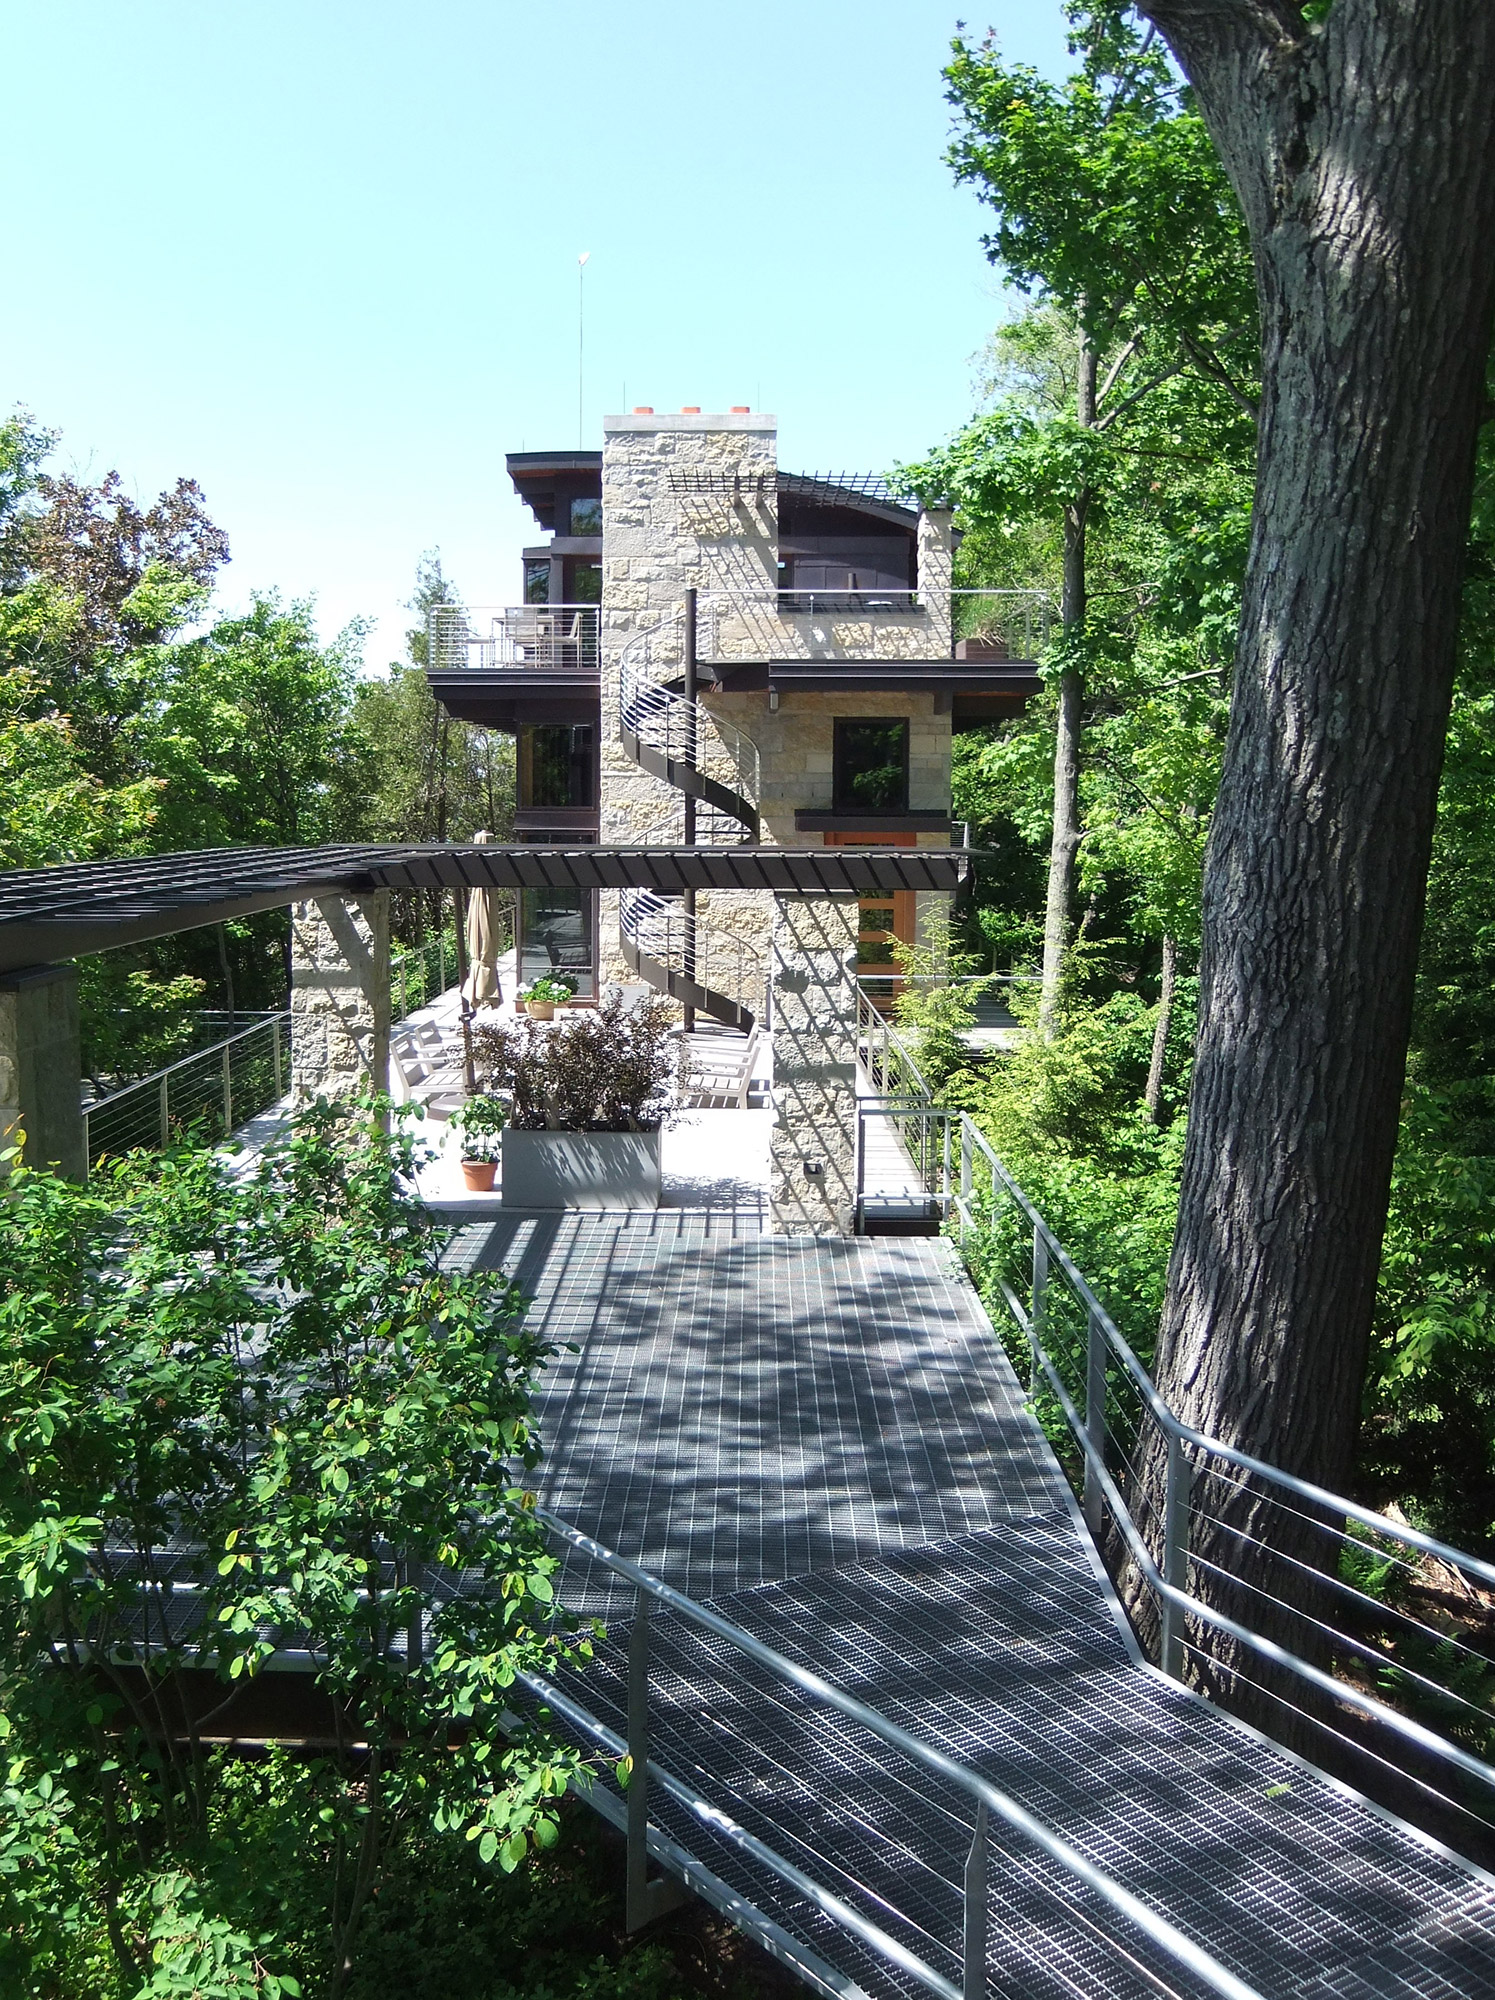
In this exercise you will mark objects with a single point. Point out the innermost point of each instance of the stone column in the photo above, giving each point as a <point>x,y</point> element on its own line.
<point>812,1158</point>
<point>339,995</point>
<point>936,575</point>
<point>41,1068</point>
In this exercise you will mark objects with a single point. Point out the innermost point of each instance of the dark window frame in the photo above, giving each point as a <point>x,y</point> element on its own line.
<point>840,800</point>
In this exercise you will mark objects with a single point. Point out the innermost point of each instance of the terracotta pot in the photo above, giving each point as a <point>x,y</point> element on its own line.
<point>541,1010</point>
<point>478,1175</point>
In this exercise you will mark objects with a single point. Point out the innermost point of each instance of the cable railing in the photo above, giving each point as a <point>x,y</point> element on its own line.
<point>1141,1937</point>
<point>210,1092</point>
<point>485,637</point>
<point>699,753</point>
<point>421,973</point>
<point>1351,1634</point>
<point>702,965</point>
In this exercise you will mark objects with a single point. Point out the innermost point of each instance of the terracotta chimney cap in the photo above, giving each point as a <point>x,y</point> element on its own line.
<point>643,409</point>
<point>690,409</point>
<point>742,410</point>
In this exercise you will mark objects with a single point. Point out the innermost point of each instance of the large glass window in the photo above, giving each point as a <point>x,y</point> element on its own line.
<point>871,765</point>
<point>537,580</point>
<point>556,765</point>
<point>583,581</point>
<point>586,517</point>
<point>556,935</point>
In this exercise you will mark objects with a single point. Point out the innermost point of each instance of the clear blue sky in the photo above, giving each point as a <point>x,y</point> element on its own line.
<point>322,256</point>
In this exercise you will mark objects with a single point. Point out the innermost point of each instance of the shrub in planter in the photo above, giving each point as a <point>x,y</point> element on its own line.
<point>587,1100</point>
<point>480,1121</point>
<point>605,1071</point>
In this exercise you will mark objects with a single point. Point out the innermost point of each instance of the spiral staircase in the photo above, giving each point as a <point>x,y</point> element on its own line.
<point>715,767</point>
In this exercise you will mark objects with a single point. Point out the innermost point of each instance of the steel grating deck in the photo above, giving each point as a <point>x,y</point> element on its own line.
<point>825,1439</point>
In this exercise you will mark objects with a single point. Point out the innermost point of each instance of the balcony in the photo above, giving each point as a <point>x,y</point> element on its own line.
<point>506,665</point>
<point>554,637</point>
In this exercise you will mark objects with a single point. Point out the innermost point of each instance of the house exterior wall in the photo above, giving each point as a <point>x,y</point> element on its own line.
<point>812,1144</point>
<point>340,1000</point>
<point>41,1069</point>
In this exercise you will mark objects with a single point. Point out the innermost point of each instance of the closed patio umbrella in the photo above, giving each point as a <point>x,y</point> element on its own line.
<point>482,987</point>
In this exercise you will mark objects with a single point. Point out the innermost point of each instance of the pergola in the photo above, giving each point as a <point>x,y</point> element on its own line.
<point>340,961</point>
<point>49,914</point>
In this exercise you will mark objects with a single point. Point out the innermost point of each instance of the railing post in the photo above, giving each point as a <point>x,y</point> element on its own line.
<point>860,1179</point>
<point>973,1970</point>
<point>1176,1499</point>
<point>1095,1415</point>
<point>228,1091</point>
<point>165,1109</point>
<point>1039,1298</point>
<point>275,1056</point>
<point>945,1129</point>
<point>87,1145</point>
<point>965,1171</point>
<point>643,1900</point>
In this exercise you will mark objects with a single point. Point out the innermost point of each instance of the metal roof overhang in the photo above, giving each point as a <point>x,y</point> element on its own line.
<point>1014,679</point>
<point>505,697</point>
<point>47,914</point>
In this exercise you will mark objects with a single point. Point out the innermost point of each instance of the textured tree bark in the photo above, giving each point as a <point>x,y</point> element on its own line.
<point>1064,845</point>
<point>1364,157</point>
<point>1152,1097</point>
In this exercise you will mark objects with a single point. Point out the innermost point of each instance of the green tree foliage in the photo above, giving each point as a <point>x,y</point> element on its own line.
<point>281,1373</point>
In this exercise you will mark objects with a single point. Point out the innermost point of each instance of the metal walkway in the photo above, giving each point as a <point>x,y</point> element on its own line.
<point>826,1439</point>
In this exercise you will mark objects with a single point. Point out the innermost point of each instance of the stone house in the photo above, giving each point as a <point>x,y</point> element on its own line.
<point>709,649</point>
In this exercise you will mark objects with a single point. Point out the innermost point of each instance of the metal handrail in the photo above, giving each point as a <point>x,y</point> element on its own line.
<point>517,635</point>
<point>989,1798</point>
<point>949,1171</point>
<point>713,959</point>
<point>153,1093</point>
<point>682,731</point>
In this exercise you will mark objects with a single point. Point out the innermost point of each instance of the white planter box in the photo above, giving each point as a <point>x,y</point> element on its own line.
<point>581,1169</point>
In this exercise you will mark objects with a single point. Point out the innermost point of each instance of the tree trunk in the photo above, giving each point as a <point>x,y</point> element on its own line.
<point>1153,1095</point>
<point>1364,156</point>
<point>1064,845</point>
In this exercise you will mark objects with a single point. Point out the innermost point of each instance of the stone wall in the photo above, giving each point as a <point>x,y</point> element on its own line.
<point>340,1002</point>
<point>812,1154</point>
<point>688,501</point>
<point>41,1071</point>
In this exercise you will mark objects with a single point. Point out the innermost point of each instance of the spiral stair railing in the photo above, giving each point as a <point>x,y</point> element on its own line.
<point>700,965</point>
<point>705,967</point>
<point>663,734</point>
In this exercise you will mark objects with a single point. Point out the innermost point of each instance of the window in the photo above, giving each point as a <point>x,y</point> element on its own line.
<point>557,933</point>
<point>586,517</point>
<point>583,581</point>
<point>556,765</point>
<point>871,766</point>
<point>537,580</point>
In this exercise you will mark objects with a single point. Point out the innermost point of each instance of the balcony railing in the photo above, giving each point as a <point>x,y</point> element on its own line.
<point>462,637</point>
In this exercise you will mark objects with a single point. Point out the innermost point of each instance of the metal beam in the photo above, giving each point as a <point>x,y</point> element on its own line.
<point>49,914</point>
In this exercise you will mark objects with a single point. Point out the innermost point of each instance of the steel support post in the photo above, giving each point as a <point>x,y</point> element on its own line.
<point>1095,1416</point>
<point>643,1900</point>
<point>275,1056</point>
<point>692,746</point>
<point>1176,1499</point>
<point>965,1177</point>
<point>228,1091</point>
<point>165,1109</point>
<point>973,1971</point>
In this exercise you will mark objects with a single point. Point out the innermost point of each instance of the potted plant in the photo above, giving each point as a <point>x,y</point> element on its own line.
<point>481,1121</point>
<point>543,995</point>
<point>587,1101</point>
